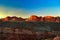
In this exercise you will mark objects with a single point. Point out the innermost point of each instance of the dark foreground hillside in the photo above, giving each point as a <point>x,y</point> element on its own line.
<point>28,30</point>
<point>36,26</point>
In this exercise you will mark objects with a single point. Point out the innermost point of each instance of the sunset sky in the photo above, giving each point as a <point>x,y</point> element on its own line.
<point>25,8</point>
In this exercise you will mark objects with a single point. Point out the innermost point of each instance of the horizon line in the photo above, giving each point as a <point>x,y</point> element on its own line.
<point>29,16</point>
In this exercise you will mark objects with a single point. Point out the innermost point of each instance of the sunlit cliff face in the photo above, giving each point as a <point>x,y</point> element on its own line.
<point>6,19</point>
<point>36,18</point>
<point>48,17</point>
<point>32,18</point>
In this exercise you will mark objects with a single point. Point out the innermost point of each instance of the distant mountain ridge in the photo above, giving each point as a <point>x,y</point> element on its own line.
<point>32,18</point>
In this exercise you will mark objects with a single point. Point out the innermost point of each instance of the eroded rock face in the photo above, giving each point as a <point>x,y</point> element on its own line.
<point>33,18</point>
<point>56,38</point>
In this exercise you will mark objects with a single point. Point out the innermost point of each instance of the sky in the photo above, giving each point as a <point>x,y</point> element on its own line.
<point>25,8</point>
